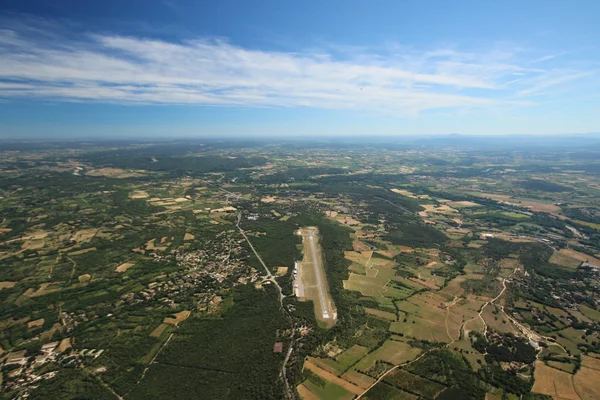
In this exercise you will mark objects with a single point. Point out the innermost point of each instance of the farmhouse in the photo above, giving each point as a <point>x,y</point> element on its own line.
<point>17,357</point>
<point>590,266</point>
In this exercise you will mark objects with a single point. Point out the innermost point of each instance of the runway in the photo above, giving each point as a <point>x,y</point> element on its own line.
<point>311,281</point>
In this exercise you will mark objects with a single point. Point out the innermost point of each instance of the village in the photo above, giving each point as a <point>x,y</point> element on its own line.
<point>23,372</point>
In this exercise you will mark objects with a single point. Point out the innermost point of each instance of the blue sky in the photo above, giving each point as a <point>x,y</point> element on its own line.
<point>177,68</point>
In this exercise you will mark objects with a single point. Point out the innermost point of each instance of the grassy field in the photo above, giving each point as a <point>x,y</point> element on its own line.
<point>392,351</point>
<point>381,314</point>
<point>563,366</point>
<point>352,355</point>
<point>586,379</point>
<point>553,382</point>
<point>592,314</point>
<point>328,391</point>
<point>362,380</point>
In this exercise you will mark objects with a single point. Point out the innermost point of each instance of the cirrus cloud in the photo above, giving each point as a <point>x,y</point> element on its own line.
<point>204,71</point>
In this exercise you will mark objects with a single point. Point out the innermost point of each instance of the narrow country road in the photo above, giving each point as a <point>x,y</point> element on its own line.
<point>456,298</point>
<point>269,277</point>
<point>524,330</point>
<point>485,326</point>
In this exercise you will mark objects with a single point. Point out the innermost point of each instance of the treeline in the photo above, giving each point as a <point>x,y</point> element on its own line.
<point>398,212</point>
<point>274,240</point>
<point>507,380</point>
<point>279,246</point>
<point>367,178</point>
<point>375,197</point>
<point>415,234</point>
<point>501,218</point>
<point>300,174</point>
<point>543,185</point>
<point>504,347</point>
<point>159,160</point>
<point>534,257</point>
<point>450,369</point>
<point>583,214</point>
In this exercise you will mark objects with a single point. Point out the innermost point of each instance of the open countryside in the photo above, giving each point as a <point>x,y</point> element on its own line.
<point>232,274</point>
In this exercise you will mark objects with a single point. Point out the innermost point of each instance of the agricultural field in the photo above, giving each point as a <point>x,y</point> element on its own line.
<point>555,383</point>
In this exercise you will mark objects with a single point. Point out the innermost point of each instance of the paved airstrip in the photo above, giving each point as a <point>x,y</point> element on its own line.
<point>310,282</point>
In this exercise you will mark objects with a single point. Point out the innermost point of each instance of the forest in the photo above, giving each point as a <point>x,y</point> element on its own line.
<point>231,355</point>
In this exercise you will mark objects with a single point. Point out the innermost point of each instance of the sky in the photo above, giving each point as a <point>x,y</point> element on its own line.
<point>189,68</point>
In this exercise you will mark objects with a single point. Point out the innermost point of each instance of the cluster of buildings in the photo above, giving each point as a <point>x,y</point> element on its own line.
<point>568,296</point>
<point>23,369</point>
<point>205,269</point>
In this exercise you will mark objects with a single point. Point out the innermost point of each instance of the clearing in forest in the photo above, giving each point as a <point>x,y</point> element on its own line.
<point>7,285</point>
<point>180,316</point>
<point>124,267</point>
<point>188,236</point>
<point>139,194</point>
<point>84,235</point>
<point>158,330</point>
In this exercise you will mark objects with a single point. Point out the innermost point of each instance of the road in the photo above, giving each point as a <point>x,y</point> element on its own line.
<point>485,327</point>
<point>456,299</point>
<point>268,275</point>
<point>396,367</point>
<point>531,335</point>
<point>452,341</point>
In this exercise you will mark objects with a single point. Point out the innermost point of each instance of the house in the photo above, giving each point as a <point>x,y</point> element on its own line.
<point>17,357</point>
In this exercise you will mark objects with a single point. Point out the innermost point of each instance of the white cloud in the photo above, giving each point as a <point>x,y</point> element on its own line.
<point>129,70</point>
<point>553,79</point>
